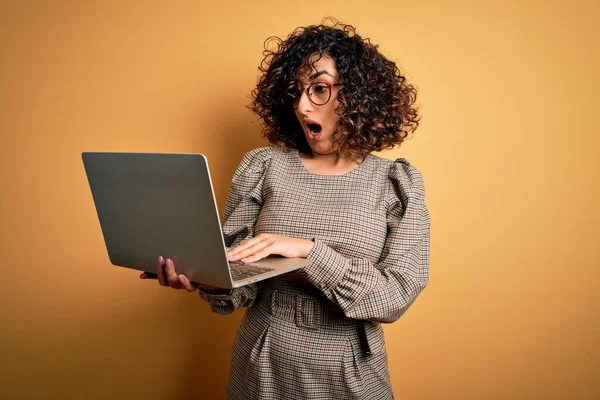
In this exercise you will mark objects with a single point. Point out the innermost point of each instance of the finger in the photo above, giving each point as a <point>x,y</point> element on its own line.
<point>265,252</point>
<point>160,271</point>
<point>245,245</point>
<point>148,275</point>
<point>187,285</point>
<point>258,247</point>
<point>172,278</point>
<point>253,248</point>
<point>233,252</point>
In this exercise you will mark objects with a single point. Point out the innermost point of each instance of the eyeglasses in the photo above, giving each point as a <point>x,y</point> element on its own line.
<point>319,93</point>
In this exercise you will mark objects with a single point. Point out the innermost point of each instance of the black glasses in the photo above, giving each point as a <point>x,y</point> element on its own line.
<point>319,93</point>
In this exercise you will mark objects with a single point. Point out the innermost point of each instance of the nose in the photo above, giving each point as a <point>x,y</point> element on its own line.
<point>304,103</point>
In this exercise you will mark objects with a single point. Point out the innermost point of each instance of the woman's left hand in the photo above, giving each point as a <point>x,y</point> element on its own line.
<point>266,244</point>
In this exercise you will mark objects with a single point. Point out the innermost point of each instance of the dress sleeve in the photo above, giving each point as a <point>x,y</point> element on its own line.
<point>243,205</point>
<point>382,291</point>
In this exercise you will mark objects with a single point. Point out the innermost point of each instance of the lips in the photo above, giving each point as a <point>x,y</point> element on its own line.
<point>314,129</point>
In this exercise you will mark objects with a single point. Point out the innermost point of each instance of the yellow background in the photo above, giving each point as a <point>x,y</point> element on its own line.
<point>507,146</point>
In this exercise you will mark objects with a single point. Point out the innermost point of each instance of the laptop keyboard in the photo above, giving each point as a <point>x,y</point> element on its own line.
<point>241,270</point>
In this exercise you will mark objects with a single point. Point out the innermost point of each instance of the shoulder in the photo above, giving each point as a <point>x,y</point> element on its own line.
<point>255,160</point>
<point>258,155</point>
<point>264,154</point>
<point>404,179</point>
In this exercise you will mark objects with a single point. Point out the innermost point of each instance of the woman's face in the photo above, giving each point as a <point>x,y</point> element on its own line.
<point>318,122</point>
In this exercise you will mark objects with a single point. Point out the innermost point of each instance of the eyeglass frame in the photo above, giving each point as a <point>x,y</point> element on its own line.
<point>330,86</point>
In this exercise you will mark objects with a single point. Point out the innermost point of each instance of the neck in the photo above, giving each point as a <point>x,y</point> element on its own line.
<point>330,160</point>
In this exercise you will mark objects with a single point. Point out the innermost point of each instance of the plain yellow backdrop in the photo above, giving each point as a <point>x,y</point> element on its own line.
<point>508,93</point>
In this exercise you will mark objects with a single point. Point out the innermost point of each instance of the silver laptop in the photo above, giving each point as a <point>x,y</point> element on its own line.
<point>153,204</point>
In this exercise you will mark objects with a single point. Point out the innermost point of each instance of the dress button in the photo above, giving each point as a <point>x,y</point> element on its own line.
<point>323,285</point>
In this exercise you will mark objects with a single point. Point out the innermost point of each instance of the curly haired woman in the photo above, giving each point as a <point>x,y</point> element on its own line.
<point>328,99</point>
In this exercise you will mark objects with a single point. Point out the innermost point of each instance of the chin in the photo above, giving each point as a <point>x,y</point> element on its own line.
<point>322,150</point>
<point>322,146</point>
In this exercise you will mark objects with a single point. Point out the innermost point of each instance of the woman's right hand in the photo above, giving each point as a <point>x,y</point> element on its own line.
<point>167,276</point>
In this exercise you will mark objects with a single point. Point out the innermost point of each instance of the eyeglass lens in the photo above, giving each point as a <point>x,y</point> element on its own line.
<point>319,93</point>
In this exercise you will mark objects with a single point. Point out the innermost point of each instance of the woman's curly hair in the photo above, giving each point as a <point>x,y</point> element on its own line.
<point>376,104</point>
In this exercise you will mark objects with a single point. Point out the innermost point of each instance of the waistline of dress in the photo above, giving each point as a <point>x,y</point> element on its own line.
<point>306,311</point>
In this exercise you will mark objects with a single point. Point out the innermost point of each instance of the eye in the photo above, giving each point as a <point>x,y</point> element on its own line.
<point>320,88</point>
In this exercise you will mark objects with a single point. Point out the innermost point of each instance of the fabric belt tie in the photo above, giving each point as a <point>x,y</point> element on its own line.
<point>306,311</point>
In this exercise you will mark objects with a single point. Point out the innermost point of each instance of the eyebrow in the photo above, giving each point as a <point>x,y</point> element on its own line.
<point>314,76</point>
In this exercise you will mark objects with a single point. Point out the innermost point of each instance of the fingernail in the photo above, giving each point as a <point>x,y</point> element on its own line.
<point>181,279</point>
<point>161,259</point>
<point>169,262</point>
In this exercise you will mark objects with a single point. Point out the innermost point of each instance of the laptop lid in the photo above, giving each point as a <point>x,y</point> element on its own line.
<point>152,204</point>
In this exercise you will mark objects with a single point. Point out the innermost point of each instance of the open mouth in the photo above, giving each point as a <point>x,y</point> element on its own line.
<point>314,128</point>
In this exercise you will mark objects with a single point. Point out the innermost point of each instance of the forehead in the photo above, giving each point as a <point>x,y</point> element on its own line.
<point>315,64</point>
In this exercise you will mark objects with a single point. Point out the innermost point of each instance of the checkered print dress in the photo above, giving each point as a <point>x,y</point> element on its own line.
<point>316,333</point>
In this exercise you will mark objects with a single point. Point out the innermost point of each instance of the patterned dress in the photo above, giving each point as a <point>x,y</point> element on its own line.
<point>316,333</point>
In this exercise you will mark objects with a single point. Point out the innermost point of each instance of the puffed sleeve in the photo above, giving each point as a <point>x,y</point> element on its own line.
<point>243,205</point>
<point>382,291</point>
